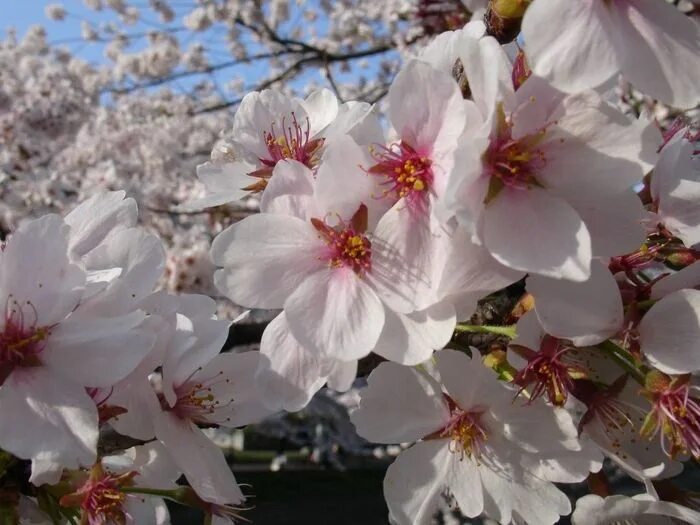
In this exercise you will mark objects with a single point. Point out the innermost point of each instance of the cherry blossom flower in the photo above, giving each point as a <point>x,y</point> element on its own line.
<point>581,44</point>
<point>487,451</point>
<point>46,414</point>
<point>270,127</point>
<point>100,496</point>
<point>332,269</point>
<point>609,410</point>
<point>200,387</point>
<point>675,413</point>
<point>545,158</point>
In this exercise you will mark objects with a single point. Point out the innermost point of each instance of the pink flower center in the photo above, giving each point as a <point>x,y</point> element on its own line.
<point>466,432</point>
<point>100,498</point>
<point>197,401</point>
<point>550,371</point>
<point>407,174</point>
<point>675,415</point>
<point>288,142</point>
<point>511,162</point>
<point>347,246</point>
<point>21,340</point>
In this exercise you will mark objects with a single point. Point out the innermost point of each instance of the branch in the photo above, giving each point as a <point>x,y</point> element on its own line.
<point>205,71</point>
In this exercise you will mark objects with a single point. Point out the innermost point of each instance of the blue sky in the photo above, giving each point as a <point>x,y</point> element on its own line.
<point>22,14</point>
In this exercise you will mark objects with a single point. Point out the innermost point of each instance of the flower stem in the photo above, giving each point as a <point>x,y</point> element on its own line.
<point>623,359</point>
<point>506,331</point>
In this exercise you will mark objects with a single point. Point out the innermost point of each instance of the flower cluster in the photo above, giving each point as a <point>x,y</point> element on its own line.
<point>504,167</point>
<point>88,344</point>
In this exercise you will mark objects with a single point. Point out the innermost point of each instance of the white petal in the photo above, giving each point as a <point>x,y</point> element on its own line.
<point>139,398</point>
<point>594,510</point>
<point>231,377</point>
<point>464,483</point>
<point>658,48</point>
<point>140,509</point>
<point>342,184</point>
<point>414,483</point>
<point>37,273</point>
<point>322,107</point>
<point>538,502</point>
<point>335,312</point>
<point>568,42</point>
<point>46,418</point>
<point>141,258</point>
<point>203,462</point>
<point>410,339</point>
<point>585,312</point>
<point>357,119</point>
<point>468,381</point>
<point>401,260</point>
<point>107,348</point>
<point>538,428</point>
<point>563,245</point>
<point>670,331</point>
<point>291,375</point>
<point>194,342</point>
<point>400,404</point>
<point>594,148</point>
<point>46,471</point>
<point>688,277</point>
<point>342,375</point>
<point>94,219</point>
<point>469,267</point>
<point>224,184</point>
<point>529,330</point>
<point>614,221</point>
<point>442,51</point>
<point>438,111</point>
<point>488,72</point>
<point>289,191</point>
<point>675,185</point>
<point>265,258</point>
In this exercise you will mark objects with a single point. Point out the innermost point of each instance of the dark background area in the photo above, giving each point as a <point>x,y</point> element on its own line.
<point>307,497</point>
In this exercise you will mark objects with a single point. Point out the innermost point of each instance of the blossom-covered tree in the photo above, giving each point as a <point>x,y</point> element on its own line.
<point>542,174</point>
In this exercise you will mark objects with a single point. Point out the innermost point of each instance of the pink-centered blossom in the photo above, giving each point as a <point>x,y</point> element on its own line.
<point>46,415</point>
<point>495,457</point>
<point>545,183</point>
<point>270,127</point>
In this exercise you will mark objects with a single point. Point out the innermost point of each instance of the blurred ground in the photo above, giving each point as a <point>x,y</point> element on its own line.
<point>308,497</point>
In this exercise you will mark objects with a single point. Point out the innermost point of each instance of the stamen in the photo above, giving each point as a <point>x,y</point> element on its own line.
<point>197,401</point>
<point>513,163</point>
<point>407,173</point>
<point>291,142</point>
<point>551,371</point>
<point>466,432</point>
<point>347,246</point>
<point>100,497</point>
<point>21,340</point>
<point>675,414</point>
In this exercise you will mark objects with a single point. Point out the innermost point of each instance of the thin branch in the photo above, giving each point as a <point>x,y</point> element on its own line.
<point>205,71</point>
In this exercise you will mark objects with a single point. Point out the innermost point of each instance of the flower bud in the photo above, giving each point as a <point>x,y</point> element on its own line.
<point>680,259</point>
<point>503,19</point>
